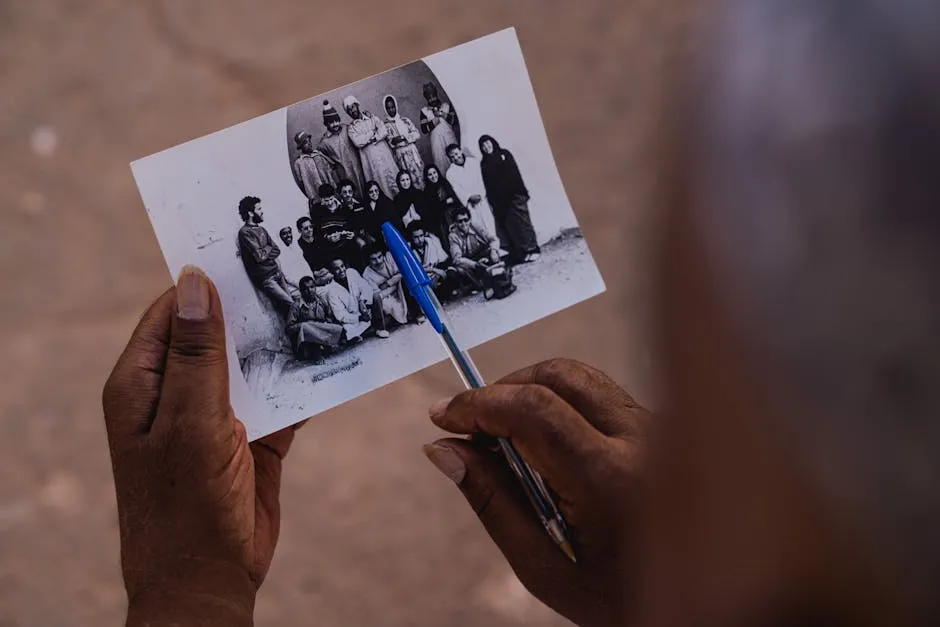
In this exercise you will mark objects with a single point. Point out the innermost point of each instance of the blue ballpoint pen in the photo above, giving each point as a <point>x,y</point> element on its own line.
<point>419,285</point>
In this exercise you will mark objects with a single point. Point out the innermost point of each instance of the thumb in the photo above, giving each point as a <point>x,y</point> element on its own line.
<point>195,381</point>
<point>488,485</point>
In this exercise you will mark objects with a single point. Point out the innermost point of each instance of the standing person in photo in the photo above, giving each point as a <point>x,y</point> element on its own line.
<point>312,167</point>
<point>336,144</point>
<point>259,255</point>
<point>466,178</point>
<point>368,134</point>
<point>509,199</point>
<point>402,135</point>
<point>439,120</point>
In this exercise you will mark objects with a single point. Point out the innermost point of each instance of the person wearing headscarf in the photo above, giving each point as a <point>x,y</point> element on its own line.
<point>439,120</point>
<point>410,201</point>
<point>336,144</point>
<point>382,210</point>
<point>312,167</point>
<point>509,199</point>
<point>369,134</point>
<point>402,135</point>
<point>441,202</point>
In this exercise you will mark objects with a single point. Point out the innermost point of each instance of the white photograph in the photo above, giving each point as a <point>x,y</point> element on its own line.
<point>284,214</point>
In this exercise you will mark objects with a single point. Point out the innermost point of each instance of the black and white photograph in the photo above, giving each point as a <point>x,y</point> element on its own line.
<point>284,212</point>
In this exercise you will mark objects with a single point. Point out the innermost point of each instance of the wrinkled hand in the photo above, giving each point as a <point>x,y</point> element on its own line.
<point>584,435</point>
<point>198,506</point>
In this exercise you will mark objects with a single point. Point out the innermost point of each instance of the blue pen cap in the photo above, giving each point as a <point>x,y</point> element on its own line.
<point>412,272</point>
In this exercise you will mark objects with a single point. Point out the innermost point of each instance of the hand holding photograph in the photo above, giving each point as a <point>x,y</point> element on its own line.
<point>284,213</point>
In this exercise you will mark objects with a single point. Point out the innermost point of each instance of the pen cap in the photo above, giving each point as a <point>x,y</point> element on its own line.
<point>412,273</point>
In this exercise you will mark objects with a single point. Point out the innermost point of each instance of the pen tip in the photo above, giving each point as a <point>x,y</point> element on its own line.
<point>566,547</point>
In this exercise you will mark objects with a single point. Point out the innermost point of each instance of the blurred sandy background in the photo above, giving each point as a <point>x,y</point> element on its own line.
<point>372,534</point>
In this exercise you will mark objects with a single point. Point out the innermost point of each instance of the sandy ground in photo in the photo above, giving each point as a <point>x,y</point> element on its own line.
<point>372,534</point>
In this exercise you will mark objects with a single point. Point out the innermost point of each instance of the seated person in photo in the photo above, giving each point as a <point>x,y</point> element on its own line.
<point>472,250</point>
<point>429,251</point>
<point>341,306</point>
<point>383,210</point>
<point>382,273</point>
<point>310,327</point>
<point>308,243</point>
<point>361,219</point>
<point>335,231</point>
<point>361,291</point>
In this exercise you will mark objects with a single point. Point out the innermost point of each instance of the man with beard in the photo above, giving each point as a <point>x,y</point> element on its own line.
<point>336,144</point>
<point>259,255</point>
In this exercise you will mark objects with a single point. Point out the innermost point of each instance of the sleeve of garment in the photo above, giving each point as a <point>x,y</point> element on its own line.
<point>514,167</point>
<point>413,135</point>
<point>309,186</point>
<point>451,115</point>
<point>455,251</point>
<point>425,121</point>
<point>381,132</point>
<point>339,311</point>
<point>463,194</point>
<point>359,136</point>
<point>251,245</point>
<point>366,291</point>
<point>326,148</point>
<point>436,254</point>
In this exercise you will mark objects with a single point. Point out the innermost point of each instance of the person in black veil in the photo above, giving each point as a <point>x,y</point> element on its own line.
<point>442,202</point>
<point>382,209</point>
<point>410,203</point>
<point>509,199</point>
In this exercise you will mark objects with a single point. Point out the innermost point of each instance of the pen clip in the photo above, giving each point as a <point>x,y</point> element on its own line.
<point>412,272</point>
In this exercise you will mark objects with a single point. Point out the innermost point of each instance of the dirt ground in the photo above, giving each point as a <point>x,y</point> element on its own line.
<point>372,534</point>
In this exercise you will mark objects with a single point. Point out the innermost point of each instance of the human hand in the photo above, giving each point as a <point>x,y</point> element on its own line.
<point>198,506</point>
<point>584,435</point>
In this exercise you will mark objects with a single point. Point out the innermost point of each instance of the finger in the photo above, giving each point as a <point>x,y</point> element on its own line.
<point>195,383</point>
<point>549,434</point>
<point>131,393</point>
<point>268,454</point>
<point>590,392</point>
<point>501,506</point>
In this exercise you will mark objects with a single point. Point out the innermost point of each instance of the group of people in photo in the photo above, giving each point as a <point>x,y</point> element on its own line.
<point>466,219</point>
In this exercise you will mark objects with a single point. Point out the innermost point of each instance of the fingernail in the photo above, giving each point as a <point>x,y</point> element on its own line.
<point>192,294</point>
<point>447,461</point>
<point>437,409</point>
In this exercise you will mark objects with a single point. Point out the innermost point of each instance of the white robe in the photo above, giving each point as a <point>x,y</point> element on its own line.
<point>467,181</point>
<point>293,264</point>
<point>360,290</point>
<point>344,307</point>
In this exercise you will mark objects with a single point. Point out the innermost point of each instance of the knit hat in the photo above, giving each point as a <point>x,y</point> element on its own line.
<point>330,114</point>
<point>300,137</point>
